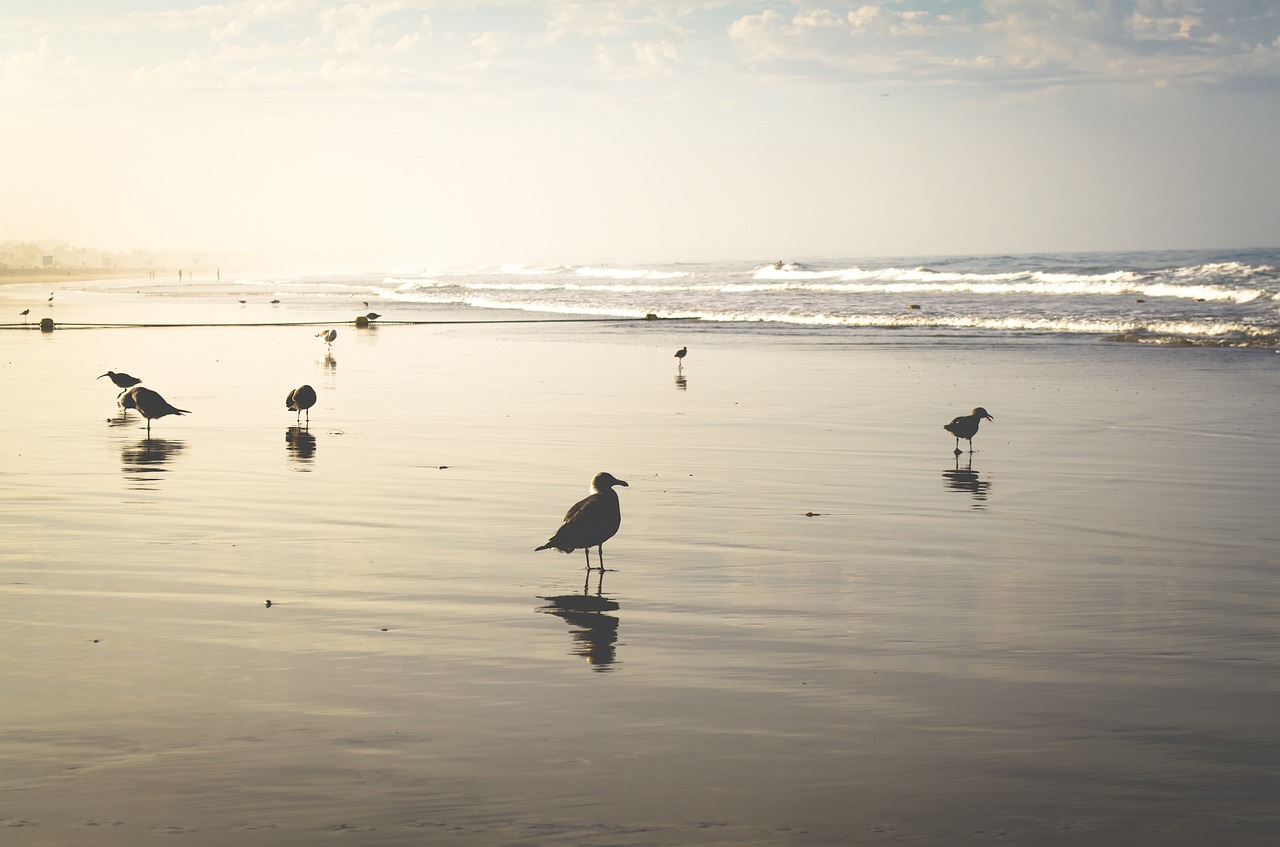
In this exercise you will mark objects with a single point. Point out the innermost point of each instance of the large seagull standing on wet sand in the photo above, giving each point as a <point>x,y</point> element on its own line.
<point>966,427</point>
<point>592,521</point>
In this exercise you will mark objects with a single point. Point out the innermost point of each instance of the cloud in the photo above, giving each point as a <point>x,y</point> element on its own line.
<point>1016,43</point>
<point>660,56</point>
<point>388,48</point>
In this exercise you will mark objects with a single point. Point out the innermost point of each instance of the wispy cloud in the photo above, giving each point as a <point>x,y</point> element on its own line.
<point>1021,43</point>
<point>299,46</point>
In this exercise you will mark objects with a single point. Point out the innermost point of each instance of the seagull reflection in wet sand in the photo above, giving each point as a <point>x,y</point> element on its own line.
<point>591,521</point>
<point>594,633</point>
<point>144,461</point>
<point>301,445</point>
<point>965,480</point>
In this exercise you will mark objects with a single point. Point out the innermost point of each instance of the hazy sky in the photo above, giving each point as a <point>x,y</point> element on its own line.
<point>414,132</point>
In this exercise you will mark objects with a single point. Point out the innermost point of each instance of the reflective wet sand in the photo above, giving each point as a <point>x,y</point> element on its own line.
<point>820,627</point>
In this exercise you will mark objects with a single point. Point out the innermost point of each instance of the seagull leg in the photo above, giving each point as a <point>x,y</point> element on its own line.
<point>587,550</point>
<point>600,556</point>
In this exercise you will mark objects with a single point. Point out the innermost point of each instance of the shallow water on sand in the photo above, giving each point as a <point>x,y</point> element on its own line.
<point>1068,638</point>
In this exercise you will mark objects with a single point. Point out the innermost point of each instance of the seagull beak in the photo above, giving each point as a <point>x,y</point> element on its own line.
<point>988,417</point>
<point>623,484</point>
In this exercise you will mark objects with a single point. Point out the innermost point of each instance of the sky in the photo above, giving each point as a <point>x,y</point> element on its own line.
<point>403,133</point>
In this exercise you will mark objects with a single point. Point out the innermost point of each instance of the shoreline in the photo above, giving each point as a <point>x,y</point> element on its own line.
<point>19,276</point>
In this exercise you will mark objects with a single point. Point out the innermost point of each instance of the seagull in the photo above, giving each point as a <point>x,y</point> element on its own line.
<point>592,521</point>
<point>966,427</point>
<point>681,353</point>
<point>24,312</point>
<point>300,399</point>
<point>149,404</point>
<point>121,380</point>
<point>328,335</point>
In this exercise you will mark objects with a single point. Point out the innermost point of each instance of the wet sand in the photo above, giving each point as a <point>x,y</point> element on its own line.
<point>1072,639</point>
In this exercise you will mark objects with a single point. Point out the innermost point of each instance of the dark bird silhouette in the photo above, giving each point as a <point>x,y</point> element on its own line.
<point>25,312</point>
<point>301,399</point>
<point>149,404</point>
<point>50,296</point>
<point>373,316</point>
<point>121,380</point>
<point>966,427</point>
<point>681,353</point>
<point>592,521</point>
<point>328,335</point>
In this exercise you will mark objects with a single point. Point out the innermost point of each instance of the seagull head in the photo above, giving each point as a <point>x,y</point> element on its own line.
<point>982,413</point>
<point>604,480</point>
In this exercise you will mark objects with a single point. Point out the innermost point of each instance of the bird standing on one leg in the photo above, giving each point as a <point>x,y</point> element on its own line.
<point>592,521</point>
<point>121,380</point>
<point>300,399</point>
<point>966,427</point>
<point>680,354</point>
<point>149,404</point>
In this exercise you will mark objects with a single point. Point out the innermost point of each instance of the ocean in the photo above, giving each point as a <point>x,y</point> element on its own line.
<point>1201,297</point>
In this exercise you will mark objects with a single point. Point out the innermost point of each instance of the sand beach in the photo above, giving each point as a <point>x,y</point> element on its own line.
<point>818,626</point>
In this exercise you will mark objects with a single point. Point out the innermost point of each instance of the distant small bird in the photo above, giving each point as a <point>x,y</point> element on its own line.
<point>681,353</point>
<point>50,296</point>
<point>966,427</point>
<point>301,399</point>
<point>149,404</point>
<point>366,303</point>
<point>592,521</point>
<point>25,312</point>
<point>373,316</point>
<point>328,335</point>
<point>121,380</point>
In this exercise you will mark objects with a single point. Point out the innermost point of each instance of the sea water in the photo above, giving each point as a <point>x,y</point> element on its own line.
<point>1203,297</point>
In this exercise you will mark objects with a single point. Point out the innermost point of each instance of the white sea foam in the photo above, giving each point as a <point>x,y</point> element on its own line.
<point>1062,285</point>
